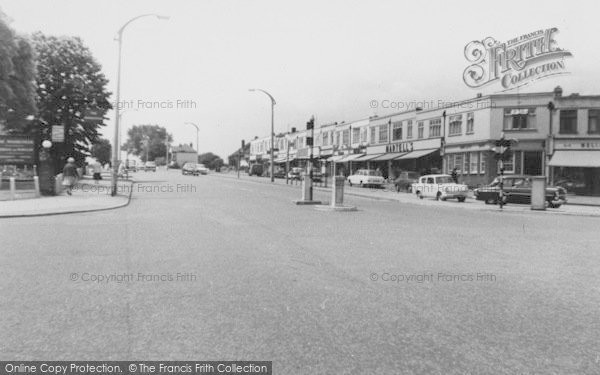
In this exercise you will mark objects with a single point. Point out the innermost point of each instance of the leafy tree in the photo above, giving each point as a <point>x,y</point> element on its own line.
<point>153,137</point>
<point>17,75</point>
<point>70,82</point>
<point>101,150</point>
<point>210,160</point>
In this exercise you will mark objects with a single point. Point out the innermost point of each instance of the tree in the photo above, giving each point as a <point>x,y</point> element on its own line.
<point>70,82</point>
<point>17,75</point>
<point>147,137</point>
<point>101,150</point>
<point>210,160</point>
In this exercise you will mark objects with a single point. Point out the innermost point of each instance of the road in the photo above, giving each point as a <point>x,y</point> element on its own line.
<point>390,289</point>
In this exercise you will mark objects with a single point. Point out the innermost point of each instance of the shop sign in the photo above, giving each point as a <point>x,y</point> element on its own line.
<point>577,144</point>
<point>399,147</point>
<point>16,150</point>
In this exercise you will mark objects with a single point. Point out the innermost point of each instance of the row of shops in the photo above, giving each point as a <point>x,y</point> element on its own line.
<point>551,135</point>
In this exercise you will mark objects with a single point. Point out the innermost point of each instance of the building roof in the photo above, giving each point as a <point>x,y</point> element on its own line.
<point>183,148</point>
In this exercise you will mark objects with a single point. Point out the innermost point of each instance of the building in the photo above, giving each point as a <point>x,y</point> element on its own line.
<point>183,154</point>
<point>551,134</point>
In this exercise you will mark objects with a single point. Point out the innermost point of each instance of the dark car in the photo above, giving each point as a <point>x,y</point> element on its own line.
<point>405,180</point>
<point>255,170</point>
<point>277,172</point>
<point>517,189</point>
<point>189,168</point>
<point>295,174</point>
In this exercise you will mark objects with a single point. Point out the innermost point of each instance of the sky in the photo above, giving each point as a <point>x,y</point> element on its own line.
<point>329,59</point>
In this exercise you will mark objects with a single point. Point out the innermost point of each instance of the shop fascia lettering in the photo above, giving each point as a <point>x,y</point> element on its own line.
<point>399,147</point>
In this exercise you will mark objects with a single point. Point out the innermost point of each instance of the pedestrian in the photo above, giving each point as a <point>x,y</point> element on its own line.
<point>455,175</point>
<point>96,170</point>
<point>69,175</point>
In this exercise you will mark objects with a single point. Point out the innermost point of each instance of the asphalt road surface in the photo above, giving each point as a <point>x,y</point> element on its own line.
<point>212,268</point>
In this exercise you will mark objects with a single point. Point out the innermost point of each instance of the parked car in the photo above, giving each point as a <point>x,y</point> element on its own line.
<point>366,177</point>
<point>131,166</point>
<point>517,189</point>
<point>317,176</point>
<point>200,169</point>
<point>189,168</point>
<point>255,170</point>
<point>279,173</point>
<point>571,186</point>
<point>440,187</point>
<point>405,180</point>
<point>295,174</point>
<point>150,166</point>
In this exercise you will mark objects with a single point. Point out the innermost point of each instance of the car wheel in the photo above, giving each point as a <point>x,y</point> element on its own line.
<point>461,199</point>
<point>419,195</point>
<point>491,201</point>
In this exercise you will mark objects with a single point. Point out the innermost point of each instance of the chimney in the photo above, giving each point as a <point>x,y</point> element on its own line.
<point>479,95</point>
<point>293,130</point>
<point>558,92</point>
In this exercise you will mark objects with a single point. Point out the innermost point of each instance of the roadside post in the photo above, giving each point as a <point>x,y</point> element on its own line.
<point>502,153</point>
<point>538,193</point>
<point>307,189</point>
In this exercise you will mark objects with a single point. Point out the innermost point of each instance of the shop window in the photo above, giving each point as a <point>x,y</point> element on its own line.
<point>568,121</point>
<point>397,131</point>
<point>594,121</point>
<point>509,164</point>
<point>409,129</point>
<point>473,160</point>
<point>420,129</point>
<point>383,133</point>
<point>458,163</point>
<point>482,164</point>
<point>470,123</point>
<point>455,127</point>
<point>519,118</point>
<point>435,128</point>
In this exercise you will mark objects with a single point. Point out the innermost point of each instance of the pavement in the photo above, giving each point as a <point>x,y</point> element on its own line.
<point>87,196</point>
<point>577,205</point>
<point>217,268</point>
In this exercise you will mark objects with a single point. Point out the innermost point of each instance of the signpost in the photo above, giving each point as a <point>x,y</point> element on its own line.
<point>16,149</point>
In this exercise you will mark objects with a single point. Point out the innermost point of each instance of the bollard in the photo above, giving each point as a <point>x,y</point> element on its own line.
<point>307,196</point>
<point>538,193</point>
<point>36,183</point>
<point>13,188</point>
<point>337,191</point>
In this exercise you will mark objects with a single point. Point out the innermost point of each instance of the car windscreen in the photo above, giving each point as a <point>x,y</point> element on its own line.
<point>445,180</point>
<point>374,173</point>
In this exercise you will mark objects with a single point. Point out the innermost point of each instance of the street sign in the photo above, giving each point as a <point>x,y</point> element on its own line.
<point>58,133</point>
<point>16,150</point>
<point>93,115</point>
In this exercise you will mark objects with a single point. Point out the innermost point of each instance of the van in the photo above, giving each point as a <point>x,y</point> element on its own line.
<point>255,170</point>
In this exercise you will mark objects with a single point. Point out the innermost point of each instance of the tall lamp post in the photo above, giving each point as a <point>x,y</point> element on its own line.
<point>197,139</point>
<point>115,155</point>
<point>272,129</point>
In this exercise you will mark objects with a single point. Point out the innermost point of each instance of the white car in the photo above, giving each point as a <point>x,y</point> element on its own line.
<point>201,169</point>
<point>440,187</point>
<point>365,177</point>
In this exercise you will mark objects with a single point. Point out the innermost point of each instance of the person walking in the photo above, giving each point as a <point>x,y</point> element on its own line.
<point>96,170</point>
<point>454,175</point>
<point>70,175</point>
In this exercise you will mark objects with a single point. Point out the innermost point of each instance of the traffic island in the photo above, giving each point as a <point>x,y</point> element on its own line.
<point>337,198</point>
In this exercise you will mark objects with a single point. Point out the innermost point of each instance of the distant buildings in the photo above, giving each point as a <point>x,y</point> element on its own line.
<point>183,154</point>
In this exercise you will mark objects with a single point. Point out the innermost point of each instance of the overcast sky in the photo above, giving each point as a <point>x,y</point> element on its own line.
<point>322,58</point>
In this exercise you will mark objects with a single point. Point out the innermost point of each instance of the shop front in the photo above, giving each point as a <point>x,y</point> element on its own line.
<point>422,156</point>
<point>575,165</point>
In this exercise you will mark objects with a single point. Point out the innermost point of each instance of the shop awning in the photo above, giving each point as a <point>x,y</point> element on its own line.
<point>350,157</point>
<point>584,159</point>
<point>390,156</point>
<point>416,154</point>
<point>335,158</point>
<point>368,157</point>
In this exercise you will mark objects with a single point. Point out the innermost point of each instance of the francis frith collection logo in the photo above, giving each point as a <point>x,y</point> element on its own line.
<point>514,63</point>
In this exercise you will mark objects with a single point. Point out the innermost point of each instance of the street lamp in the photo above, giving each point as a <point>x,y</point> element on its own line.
<point>119,38</point>
<point>272,129</point>
<point>121,131</point>
<point>197,139</point>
